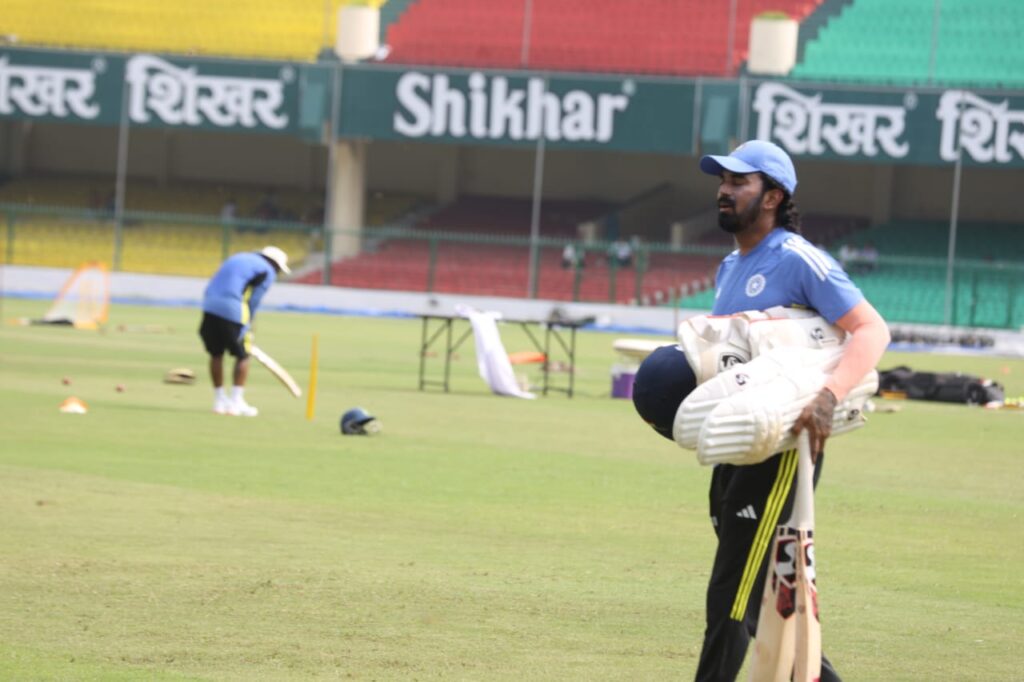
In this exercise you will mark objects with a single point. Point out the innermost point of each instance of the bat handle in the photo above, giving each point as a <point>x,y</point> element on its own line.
<point>802,517</point>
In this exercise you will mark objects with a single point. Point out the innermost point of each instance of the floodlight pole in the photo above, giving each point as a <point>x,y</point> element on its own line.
<point>730,40</point>
<point>122,172</point>
<point>538,162</point>
<point>744,105</point>
<point>936,16</point>
<point>332,155</point>
<point>954,216</point>
<point>538,188</point>
<point>524,54</point>
<point>326,41</point>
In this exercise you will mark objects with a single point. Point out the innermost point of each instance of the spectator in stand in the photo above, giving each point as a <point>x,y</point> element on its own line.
<point>639,255</point>
<point>621,253</point>
<point>108,206</point>
<point>869,257</point>
<point>848,255</point>
<point>861,260</point>
<point>268,209</point>
<point>229,211</point>
<point>570,258</point>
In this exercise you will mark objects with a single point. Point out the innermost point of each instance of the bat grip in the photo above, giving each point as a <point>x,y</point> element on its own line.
<point>802,517</point>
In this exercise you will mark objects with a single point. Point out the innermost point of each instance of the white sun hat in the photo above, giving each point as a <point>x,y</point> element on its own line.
<point>279,257</point>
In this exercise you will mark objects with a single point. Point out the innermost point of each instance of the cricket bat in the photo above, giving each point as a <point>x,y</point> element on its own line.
<point>788,641</point>
<point>277,370</point>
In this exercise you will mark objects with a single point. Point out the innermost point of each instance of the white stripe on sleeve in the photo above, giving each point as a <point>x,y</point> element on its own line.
<point>814,253</point>
<point>812,260</point>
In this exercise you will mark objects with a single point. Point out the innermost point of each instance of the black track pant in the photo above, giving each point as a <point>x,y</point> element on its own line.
<point>747,503</point>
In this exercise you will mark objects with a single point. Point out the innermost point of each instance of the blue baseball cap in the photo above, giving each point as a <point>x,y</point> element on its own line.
<point>751,157</point>
<point>663,379</point>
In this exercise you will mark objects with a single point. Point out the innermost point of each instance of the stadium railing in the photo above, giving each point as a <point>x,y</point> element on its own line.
<point>985,293</point>
<point>908,289</point>
<point>389,256</point>
<point>407,259</point>
<point>140,241</point>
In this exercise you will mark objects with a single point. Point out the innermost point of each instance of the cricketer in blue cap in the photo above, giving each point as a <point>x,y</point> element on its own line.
<point>745,197</point>
<point>662,381</point>
<point>773,265</point>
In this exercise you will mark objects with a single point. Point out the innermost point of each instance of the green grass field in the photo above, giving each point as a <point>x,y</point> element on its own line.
<point>475,538</point>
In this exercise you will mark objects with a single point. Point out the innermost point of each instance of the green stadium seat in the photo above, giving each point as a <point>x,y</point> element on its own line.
<point>987,292</point>
<point>885,42</point>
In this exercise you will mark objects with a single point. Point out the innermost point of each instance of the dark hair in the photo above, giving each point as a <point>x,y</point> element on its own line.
<point>786,214</point>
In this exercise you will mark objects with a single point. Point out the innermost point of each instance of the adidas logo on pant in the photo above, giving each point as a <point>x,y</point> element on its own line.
<point>747,513</point>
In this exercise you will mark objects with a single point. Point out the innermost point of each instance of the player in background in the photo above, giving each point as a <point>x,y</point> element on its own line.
<point>230,302</point>
<point>772,266</point>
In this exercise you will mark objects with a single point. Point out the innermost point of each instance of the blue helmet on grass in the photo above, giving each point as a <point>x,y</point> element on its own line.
<point>359,422</point>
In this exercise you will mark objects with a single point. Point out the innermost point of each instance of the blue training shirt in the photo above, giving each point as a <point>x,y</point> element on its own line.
<point>236,289</point>
<point>787,270</point>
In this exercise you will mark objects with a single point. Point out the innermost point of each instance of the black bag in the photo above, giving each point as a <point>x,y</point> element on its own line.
<point>949,387</point>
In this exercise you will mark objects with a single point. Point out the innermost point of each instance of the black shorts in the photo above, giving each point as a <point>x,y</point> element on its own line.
<point>221,335</point>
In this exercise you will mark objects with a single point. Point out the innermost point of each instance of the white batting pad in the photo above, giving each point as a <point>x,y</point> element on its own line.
<point>714,343</point>
<point>749,427</point>
<point>802,329</point>
<point>761,371</point>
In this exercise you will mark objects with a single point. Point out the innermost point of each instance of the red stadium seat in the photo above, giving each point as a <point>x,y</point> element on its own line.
<point>669,37</point>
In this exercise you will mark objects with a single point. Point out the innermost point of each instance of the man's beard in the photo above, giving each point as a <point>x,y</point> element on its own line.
<point>733,222</point>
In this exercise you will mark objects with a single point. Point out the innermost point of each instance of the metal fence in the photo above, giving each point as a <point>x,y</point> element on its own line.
<point>137,241</point>
<point>596,271</point>
<point>390,257</point>
<point>983,293</point>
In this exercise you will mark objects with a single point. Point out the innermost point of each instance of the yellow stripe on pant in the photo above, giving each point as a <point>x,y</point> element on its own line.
<point>765,531</point>
<point>246,316</point>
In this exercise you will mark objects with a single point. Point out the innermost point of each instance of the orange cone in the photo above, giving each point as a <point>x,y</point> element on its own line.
<point>73,405</point>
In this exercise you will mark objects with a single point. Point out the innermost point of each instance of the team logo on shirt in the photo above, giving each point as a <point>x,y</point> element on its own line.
<point>755,285</point>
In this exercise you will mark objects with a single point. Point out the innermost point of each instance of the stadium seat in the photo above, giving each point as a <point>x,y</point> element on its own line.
<point>293,30</point>
<point>463,248</point>
<point>668,37</point>
<point>909,284</point>
<point>910,287</point>
<point>879,41</point>
<point>60,222</point>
